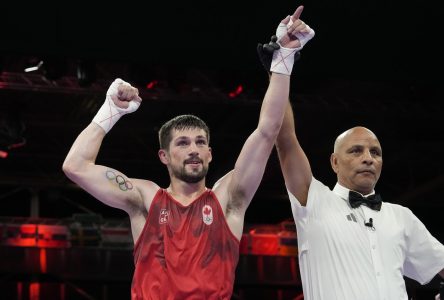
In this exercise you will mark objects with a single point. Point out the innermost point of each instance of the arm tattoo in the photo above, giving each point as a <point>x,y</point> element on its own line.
<point>123,183</point>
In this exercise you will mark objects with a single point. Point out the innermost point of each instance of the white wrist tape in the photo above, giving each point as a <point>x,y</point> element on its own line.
<point>110,113</point>
<point>283,60</point>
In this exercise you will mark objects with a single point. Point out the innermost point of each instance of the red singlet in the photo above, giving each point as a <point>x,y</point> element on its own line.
<point>185,252</point>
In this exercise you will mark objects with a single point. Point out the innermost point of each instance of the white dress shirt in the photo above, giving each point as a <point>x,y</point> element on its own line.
<point>341,258</point>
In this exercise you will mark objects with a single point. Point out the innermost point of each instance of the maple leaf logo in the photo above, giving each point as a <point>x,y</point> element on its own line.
<point>207,210</point>
<point>207,215</point>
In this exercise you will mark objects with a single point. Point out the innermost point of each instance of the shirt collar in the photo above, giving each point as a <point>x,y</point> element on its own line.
<point>342,191</point>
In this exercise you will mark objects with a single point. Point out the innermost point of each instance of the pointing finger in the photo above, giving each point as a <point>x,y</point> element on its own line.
<point>297,13</point>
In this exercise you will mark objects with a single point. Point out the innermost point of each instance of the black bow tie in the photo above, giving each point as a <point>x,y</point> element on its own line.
<point>372,201</point>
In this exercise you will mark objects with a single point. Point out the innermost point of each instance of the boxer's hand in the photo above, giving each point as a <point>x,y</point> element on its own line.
<point>292,34</point>
<point>121,98</point>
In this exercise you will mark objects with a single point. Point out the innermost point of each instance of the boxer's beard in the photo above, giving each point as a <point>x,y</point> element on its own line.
<point>192,176</point>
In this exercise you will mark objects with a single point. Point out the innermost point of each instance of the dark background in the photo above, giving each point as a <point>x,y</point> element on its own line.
<point>375,64</point>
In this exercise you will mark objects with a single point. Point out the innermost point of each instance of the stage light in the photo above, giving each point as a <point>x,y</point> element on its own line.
<point>52,68</point>
<point>152,84</point>
<point>86,73</point>
<point>35,67</point>
<point>3,154</point>
<point>233,94</point>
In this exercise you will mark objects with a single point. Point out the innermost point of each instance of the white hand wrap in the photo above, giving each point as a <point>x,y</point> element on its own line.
<point>283,58</point>
<point>304,37</point>
<point>110,113</point>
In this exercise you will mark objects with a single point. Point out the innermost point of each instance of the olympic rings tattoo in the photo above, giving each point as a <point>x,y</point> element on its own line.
<point>124,184</point>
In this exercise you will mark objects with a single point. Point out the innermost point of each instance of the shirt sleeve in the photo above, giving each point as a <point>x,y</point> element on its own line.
<point>316,194</point>
<point>424,253</point>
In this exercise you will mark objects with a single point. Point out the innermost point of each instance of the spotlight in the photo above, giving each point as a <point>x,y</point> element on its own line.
<point>239,89</point>
<point>3,154</point>
<point>151,85</point>
<point>52,68</point>
<point>86,73</point>
<point>34,68</point>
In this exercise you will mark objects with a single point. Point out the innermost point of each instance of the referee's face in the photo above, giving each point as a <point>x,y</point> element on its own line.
<point>358,160</point>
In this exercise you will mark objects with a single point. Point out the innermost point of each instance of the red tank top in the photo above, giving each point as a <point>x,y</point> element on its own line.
<point>185,252</point>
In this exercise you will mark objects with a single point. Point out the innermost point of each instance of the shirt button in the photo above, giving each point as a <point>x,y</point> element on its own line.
<point>377,273</point>
<point>374,247</point>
